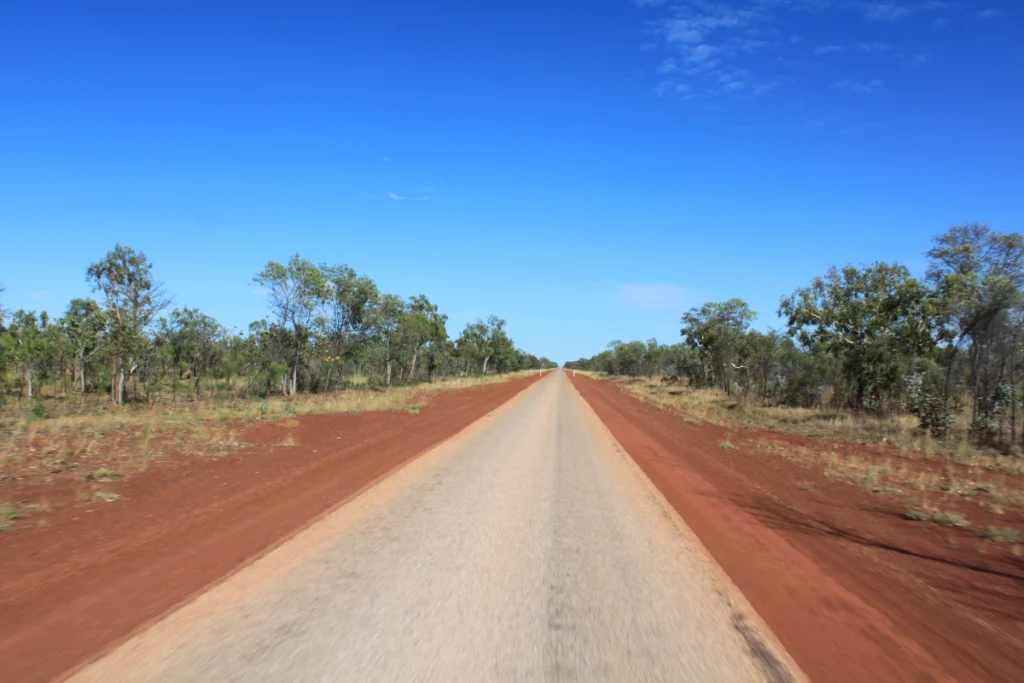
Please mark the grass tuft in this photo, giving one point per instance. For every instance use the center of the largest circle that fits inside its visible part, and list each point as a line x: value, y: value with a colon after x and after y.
x: 1001, y: 534
x: 926, y: 513
x: 106, y: 474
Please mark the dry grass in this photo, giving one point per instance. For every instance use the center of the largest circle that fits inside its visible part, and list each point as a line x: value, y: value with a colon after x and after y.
x: 13, y: 511
x: 1001, y: 534
x: 926, y: 513
x: 890, y: 456
x: 124, y: 440
x: 901, y: 434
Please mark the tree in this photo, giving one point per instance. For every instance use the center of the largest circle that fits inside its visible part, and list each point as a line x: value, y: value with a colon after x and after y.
x: 758, y: 354
x: 978, y: 275
x: 295, y: 291
x: 484, y: 341
x: 386, y: 316
x: 875, y: 320
x: 472, y: 343
x: 714, y: 330
x: 24, y: 342
x: 84, y: 323
x: 133, y: 301
x: 498, y: 346
x: 422, y: 324
x: 194, y: 338
x: 351, y: 298
x: 629, y: 357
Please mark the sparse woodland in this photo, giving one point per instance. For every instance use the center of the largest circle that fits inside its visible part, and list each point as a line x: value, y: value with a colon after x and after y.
x: 871, y: 340
x: 327, y: 328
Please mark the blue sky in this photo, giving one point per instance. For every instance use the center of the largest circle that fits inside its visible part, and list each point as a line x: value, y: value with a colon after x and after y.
x: 586, y: 170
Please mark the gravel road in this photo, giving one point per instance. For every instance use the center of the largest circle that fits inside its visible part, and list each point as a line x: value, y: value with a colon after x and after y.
x: 528, y: 548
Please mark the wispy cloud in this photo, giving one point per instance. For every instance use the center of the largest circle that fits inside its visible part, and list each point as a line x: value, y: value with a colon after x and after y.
x: 744, y: 48
x: 680, y: 90
x: 885, y: 11
x: 41, y: 294
x: 989, y: 14
x: 859, y: 87
x: 404, y: 198
x: 662, y: 296
x: 874, y: 48
x: 386, y: 160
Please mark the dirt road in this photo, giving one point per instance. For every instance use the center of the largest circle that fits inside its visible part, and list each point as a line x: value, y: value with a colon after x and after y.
x: 95, y: 572
x: 529, y: 548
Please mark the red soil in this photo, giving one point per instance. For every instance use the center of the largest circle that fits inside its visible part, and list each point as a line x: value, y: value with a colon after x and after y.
x: 853, y: 590
x: 98, y: 572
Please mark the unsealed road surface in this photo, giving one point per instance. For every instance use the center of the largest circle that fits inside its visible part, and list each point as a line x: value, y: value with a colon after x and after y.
x: 528, y: 548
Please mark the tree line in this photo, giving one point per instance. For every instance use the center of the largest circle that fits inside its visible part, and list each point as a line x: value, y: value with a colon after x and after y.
x: 327, y: 327
x: 872, y: 339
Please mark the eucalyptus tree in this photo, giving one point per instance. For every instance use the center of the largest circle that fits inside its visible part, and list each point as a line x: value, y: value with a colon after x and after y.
x: 296, y: 292
x: 472, y: 344
x: 498, y: 346
x: 629, y: 357
x: 386, y: 323
x: 133, y: 300
x: 876, y: 320
x: 422, y: 324
x: 267, y: 351
x: 194, y: 338
x: 441, y: 359
x: 348, y: 320
x: 84, y: 323
x: 758, y: 355
x: 23, y: 340
x: 978, y: 275
x: 714, y: 330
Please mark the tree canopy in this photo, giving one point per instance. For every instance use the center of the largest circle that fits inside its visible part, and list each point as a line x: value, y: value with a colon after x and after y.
x: 328, y: 328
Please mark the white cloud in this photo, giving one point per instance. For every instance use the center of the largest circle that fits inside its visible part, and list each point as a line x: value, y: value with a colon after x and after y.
x: 668, y: 66
x: 915, y: 60
x: 701, y: 53
x: 989, y: 14
x: 679, y: 90
x: 860, y: 87
x: 403, y: 198
x: 386, y: 160
x: 885, y: 11
x: 875, y: 48
x: 663, y: 296
x: 709, y: 41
